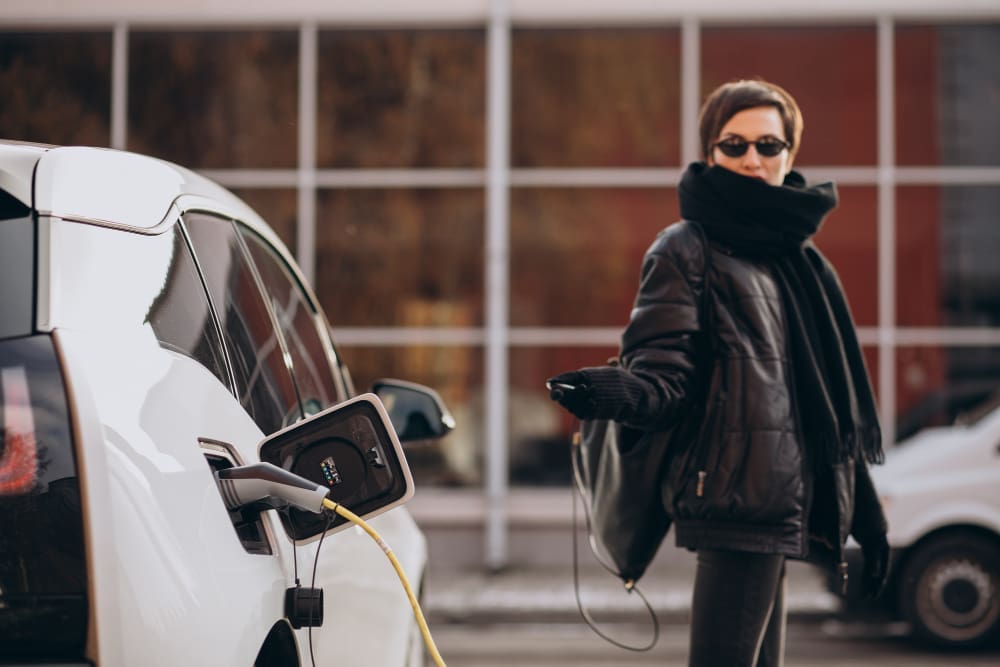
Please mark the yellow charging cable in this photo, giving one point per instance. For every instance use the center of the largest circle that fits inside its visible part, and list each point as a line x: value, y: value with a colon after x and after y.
x: 424, y: 630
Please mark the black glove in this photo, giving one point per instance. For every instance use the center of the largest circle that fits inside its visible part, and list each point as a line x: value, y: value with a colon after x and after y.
x: 598, y: 392
x: 573, y: 391
x: 875, y: 572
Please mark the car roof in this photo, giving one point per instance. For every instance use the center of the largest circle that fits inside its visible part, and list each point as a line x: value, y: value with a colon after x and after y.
x: 109, y: 186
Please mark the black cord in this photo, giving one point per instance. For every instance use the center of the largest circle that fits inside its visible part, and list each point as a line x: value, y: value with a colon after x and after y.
x: 329, y: 520
x: 580, y: 489
x: 295, y: 560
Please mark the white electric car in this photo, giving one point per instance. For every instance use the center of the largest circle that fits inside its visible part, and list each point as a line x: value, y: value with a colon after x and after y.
x: 153, y: 333
x: 941, y: 492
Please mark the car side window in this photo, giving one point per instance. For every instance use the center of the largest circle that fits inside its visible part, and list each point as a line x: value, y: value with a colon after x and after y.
x: 264, y: 384
x: 181, y: 316
x: 299, y: 324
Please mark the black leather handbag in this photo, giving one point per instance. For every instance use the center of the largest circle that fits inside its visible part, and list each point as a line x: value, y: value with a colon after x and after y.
x: 619, y: 473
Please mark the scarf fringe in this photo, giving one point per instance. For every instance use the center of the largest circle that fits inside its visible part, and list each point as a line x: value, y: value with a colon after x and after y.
x: 861, y: 443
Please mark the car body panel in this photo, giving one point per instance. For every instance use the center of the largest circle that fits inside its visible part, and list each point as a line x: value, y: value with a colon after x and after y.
x: 942, y: 477
x: 940, y: 490
x: 118, y: 188
x: 170, y: 582
x: 17, y: 168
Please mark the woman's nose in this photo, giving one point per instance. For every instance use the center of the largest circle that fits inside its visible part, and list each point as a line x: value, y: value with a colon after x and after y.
x: 752, y: 157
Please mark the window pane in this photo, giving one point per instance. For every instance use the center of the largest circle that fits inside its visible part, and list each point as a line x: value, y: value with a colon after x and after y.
x: 576, y: 253
x: 849, y: 239
x: 829, y: 70
x: 941, y: 386
x: 401, y: 98
x: 215, y: 99
x: 57, y: 87
x: 947, y: 92
x: 587, y: 98
x: 180, y: 315
x: 400, y: 257
x: 454, y: 372
x: 299, y: 326
x: 540, y: 430
x: 278, y: 206
x: 946, y: 268
x: 263, y: 383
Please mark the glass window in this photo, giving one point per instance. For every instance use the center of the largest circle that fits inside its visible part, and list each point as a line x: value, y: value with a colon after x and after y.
x: 849, y: 239
x: 215, y: 99
x: 576, y: 254
x: 400, y: 257
x: 180, y: 315
x: 947, y: 94
x: 279, y: 206
x: 456, y: 373
x: 837, y: 95
x: 401, y: 98
x: 56, y: 87
x: 299, y: 324
x: 946, y: 249
x: 263, y: 382
x: 942, y: 386
x: 595, y: 97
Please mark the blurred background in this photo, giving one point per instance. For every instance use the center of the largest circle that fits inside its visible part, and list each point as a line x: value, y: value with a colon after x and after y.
x: 470, y: 186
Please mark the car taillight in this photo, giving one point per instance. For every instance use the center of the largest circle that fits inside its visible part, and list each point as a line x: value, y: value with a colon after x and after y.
x: 43, y: 560
x: 19, y: 460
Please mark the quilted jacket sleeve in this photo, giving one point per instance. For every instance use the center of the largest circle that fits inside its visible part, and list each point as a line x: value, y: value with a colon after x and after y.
x: 660, y: 343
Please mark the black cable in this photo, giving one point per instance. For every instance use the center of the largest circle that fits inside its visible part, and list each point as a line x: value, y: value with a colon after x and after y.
x: 312, y: 585
x: 295, y: 560
x: 630, y: 586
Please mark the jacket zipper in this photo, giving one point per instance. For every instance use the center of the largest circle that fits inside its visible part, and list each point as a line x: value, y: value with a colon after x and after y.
x: 704, y: 455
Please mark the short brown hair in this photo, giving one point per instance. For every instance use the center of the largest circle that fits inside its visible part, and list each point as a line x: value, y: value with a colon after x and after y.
x: 730, y: 98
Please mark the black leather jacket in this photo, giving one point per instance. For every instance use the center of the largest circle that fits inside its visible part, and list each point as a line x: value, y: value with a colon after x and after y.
x: 707, y: 337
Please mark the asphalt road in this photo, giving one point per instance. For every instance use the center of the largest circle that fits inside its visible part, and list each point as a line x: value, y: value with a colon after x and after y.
x: 823, y: 644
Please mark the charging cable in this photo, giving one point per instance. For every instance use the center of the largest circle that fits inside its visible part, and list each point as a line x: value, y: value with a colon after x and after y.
x: 274, y: 487
x: 358, y: 521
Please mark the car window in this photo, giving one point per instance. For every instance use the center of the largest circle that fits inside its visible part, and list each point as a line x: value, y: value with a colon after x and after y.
x: 181, y: 316
x: 299, y: 324
x: 263, y: 382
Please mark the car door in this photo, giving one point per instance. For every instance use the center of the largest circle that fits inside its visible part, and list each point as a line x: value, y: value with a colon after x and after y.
x: 150, y: 380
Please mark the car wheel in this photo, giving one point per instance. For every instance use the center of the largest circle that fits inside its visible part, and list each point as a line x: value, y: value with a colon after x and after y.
x: 950, y: 591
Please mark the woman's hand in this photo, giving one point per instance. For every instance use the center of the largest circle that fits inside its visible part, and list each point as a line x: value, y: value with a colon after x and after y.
x: 573, y: 391
x: 876, y: 568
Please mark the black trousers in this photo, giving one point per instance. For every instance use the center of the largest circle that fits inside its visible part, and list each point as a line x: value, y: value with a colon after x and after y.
x: 738, y: 610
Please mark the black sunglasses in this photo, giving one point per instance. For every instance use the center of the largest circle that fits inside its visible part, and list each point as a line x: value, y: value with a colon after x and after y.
x: 737, y: 146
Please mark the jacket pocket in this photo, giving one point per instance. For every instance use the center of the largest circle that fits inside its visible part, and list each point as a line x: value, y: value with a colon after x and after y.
x: 707, y: 452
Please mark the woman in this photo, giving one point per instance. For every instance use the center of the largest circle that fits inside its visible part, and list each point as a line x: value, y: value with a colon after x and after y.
x: 769, y: 384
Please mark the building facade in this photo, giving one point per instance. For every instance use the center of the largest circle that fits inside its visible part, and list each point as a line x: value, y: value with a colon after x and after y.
x: 487, y: 175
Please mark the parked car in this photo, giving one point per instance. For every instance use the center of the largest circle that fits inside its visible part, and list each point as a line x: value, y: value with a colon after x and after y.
x: 153, y: 332
x: 941, y: 493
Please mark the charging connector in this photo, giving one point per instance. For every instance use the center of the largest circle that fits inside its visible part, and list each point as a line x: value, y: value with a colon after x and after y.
x: 271, y: 486
x: 266, y: 483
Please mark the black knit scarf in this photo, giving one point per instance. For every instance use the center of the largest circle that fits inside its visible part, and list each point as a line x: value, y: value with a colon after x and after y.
x: 774, y: 224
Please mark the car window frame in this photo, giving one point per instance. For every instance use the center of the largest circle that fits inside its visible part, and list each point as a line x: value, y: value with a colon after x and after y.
x: 287, y: 265
x: 223, y: 218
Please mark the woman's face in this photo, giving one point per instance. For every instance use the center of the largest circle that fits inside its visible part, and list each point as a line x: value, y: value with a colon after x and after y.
x: 742, y: 130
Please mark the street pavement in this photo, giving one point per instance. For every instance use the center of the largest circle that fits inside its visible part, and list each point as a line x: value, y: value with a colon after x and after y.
x: 546, y: 593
